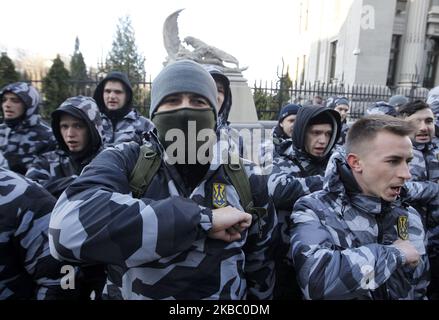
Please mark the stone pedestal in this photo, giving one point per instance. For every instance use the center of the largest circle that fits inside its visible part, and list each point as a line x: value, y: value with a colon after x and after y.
x: 243, y: 106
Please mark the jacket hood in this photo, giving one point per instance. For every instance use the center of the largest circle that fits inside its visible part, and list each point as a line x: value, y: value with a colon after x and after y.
x: 305, y: 116
x: 28, y: 94
x: 218, y: 75
x: 98, y: 95
x: 83, y: 108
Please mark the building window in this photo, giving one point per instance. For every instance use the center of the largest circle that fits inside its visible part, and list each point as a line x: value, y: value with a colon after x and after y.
x: 393, y: 60
x: 401, y: 6
x: 332, y: 60
x: 431, y: 67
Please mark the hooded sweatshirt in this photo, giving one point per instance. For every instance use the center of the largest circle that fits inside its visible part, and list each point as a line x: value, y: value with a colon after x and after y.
x: 309, y: 164
x: 24, y: 139
x: 124, y: 124
x: 55, y: 170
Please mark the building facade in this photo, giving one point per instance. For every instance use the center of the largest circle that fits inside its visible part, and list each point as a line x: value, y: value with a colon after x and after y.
x: 391, y: 43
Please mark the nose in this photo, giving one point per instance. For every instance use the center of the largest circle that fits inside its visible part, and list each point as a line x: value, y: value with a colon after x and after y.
x: 404, y: 171
x: 185, y: 102
x: 70, y: 132
x: 322, y: 139
x: 423, y: 126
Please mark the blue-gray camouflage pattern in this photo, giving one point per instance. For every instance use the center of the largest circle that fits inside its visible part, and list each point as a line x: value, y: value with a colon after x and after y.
x: 130, y: 128
x: 286, y: 184
x: 3, y: 161
x: 342, y: 244
x: 343, y: 133
x: 22, y: 143
x: 424, y: 168
x: 27, y: 270
x: 55, y: 170
x: 156, y: 247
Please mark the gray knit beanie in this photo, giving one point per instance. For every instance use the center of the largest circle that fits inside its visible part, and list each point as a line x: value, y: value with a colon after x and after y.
x: 183, y: 76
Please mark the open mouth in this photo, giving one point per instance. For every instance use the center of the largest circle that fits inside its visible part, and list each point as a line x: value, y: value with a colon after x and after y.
x: 396, y: 190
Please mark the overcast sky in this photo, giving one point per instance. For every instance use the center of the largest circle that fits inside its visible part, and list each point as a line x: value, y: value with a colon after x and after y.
x: 258, y: 33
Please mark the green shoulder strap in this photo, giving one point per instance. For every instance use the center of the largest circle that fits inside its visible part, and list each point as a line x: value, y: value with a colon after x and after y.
x: 236, y: 172
x: 146, y: 167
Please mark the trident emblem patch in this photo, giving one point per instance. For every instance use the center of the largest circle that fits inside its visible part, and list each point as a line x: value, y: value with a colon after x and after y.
x: 219, y: 197
x: 403, y: 227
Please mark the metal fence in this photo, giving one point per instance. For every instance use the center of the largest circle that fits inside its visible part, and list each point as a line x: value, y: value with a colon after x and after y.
x: 141, y: 91
x: 360, y: 96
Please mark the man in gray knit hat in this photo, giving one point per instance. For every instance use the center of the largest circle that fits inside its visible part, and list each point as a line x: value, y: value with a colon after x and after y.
x: 186, y: 235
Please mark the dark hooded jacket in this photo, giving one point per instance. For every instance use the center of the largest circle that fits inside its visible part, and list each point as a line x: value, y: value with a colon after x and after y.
x: 124, y: 124
x: 295, y: 174
x: 224, y: 130
x: 307, y: 163
x: 55, y: 170
x: 23, y: 140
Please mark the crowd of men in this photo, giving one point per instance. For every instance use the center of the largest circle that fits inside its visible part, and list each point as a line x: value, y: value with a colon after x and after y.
x: 108, y: 204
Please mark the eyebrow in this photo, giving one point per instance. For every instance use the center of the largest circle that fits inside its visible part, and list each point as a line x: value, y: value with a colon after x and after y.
x: 395, y: 157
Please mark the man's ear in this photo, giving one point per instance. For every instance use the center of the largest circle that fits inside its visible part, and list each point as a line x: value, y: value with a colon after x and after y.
x: 354, y: 162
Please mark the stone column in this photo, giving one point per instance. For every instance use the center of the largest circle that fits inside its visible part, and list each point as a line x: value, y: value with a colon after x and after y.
x: 412, y: 62
x: 243, y: 106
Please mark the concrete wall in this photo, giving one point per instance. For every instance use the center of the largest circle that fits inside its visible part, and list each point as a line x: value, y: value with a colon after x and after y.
x: 375, y: 43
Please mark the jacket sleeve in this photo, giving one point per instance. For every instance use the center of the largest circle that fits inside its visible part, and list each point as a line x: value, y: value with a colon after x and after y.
x: 97, y: 220
x: 423, y: 191
x: 327, y: 271
x: 40, y: 172
x: 259, y: 264
x: 286, y: 189
x: 33, y: 245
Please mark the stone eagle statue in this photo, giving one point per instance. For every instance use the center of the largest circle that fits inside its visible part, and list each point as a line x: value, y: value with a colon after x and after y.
x: 201, y: 52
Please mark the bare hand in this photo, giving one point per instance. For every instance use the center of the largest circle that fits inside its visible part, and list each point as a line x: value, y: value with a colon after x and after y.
x: 228, y: 223
x: 412, y: 255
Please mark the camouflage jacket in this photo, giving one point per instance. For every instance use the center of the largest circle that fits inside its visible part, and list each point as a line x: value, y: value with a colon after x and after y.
x: 342, y: 244
x: 27, y: 270
x: 3, y: 162
x: 286, y: 185
x: 344, y: 131
x: 23, y: 142
x: 425, y: 163
x: 130, y: 128
x: 424, y: 169
x: 157, y: 247
x: 55, y: 170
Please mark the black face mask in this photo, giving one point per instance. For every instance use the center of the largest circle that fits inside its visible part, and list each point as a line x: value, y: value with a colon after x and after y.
x: 187, y: 134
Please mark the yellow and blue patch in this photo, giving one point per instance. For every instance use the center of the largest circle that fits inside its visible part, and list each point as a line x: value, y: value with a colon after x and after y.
x: 219, y: 196
x: 403, y: 227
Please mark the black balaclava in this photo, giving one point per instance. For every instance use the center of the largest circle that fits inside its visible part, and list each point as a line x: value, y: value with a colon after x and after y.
x: 184, y: 76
